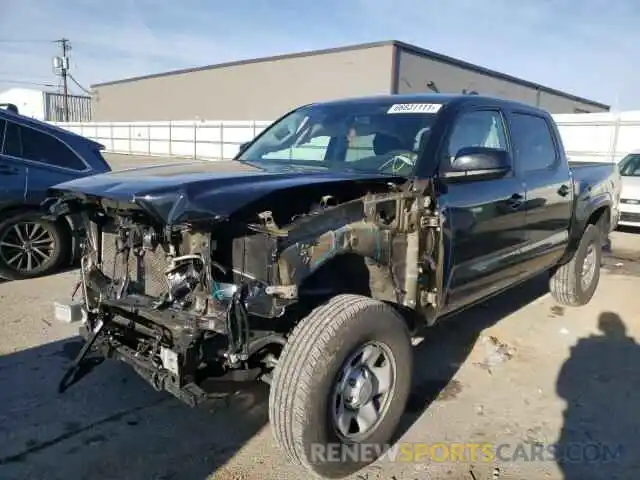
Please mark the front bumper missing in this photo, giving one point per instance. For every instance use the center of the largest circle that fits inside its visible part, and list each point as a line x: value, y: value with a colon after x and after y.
x: 171, y: 366
x: 161, y: 379
x: 99, y: 346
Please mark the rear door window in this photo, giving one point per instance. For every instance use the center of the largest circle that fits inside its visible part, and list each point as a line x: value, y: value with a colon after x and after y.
x: 533, y: 143
x: 12, y: 140
x: 37, y: 146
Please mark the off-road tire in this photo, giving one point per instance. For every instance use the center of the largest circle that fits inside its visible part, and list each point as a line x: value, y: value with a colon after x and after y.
x: 58, y: 254
x: 565, y: 283
x: 299, y: 399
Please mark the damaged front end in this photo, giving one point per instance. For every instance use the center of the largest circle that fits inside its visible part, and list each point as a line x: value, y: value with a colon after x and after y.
x: 215, y: 298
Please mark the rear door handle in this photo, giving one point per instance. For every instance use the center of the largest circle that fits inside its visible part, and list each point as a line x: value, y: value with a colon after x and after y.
x: 515, y: 201
x: 563, y: 191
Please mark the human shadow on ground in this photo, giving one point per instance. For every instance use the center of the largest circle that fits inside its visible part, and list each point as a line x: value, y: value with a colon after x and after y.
x: 112, y: 424
x: 600, y: 381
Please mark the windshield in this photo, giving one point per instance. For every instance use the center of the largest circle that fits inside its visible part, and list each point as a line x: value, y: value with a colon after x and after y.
x: 630, y: 166
x: 379, y: 137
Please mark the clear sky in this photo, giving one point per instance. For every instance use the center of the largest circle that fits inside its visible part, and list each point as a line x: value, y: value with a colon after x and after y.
x: 587, y: 47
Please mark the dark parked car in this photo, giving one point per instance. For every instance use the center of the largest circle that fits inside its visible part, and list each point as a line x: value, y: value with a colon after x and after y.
x: 34, y: 156
x: 338, y: 233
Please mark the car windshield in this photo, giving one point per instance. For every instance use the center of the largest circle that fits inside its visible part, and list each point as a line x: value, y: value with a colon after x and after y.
x: 380, y: 137
x: 630, y: 166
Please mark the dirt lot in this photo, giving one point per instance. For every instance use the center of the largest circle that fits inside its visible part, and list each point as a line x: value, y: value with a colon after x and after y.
x: 568, y: 376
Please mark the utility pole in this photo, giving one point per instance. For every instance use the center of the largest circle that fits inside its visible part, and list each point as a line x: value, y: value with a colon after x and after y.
x: 61, y: 66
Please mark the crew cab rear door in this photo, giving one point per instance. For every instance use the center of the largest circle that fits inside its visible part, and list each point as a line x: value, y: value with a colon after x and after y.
x: 484, y: 219
x: 548, y: 205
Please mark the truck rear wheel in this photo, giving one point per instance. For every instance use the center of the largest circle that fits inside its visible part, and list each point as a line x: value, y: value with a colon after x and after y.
x: 341, y: 385
x: 574, y: 283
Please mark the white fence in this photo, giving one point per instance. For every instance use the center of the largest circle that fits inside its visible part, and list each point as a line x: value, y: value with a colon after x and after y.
x: 602, y: 137
x: 599, y: 137
x: 202, y: 139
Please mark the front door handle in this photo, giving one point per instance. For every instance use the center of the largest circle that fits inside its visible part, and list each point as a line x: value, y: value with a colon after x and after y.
x: 515, y: 201
x: 564, y: 190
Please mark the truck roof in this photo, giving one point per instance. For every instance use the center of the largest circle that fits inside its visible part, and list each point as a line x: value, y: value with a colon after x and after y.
x: 438, y: 98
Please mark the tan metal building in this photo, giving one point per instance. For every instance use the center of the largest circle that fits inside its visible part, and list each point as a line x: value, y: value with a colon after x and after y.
x: 265, y: 88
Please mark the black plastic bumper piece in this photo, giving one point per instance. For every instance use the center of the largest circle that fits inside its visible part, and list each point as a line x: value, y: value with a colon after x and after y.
x: 83, y: 363
x: 159, y: 378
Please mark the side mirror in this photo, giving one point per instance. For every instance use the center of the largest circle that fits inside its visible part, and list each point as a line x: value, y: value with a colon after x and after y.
x: 474, y: 163
x: 243, y: 147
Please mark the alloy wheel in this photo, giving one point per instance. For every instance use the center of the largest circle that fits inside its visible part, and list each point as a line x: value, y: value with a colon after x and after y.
x: 26, y: 246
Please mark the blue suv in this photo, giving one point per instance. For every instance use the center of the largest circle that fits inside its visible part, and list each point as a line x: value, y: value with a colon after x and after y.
x: 34, y: 156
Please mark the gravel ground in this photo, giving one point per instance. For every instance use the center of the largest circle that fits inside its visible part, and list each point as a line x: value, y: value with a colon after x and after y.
x: 569, y: 375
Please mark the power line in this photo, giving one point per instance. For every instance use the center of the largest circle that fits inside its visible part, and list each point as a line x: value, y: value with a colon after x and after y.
x: 25, y: 82
x: 61, y: 68
x: 7, y: 40
x: 30, y: 75
x: 78, y: 85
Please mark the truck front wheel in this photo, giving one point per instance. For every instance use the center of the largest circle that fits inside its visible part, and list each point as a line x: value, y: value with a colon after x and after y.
x: 341, y: 385
x: 574, y: 283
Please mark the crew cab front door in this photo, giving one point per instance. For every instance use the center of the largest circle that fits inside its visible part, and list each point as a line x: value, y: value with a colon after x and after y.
x: 484, y: 229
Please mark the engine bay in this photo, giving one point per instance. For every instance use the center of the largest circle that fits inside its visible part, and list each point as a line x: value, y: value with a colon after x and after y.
x: 212, y: 298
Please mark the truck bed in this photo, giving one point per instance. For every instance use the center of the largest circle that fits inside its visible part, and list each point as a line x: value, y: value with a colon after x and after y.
x: 597, y: 178
x: 587, y: 174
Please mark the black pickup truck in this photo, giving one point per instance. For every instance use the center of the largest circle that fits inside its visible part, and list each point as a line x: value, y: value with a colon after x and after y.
x: 310, y: 260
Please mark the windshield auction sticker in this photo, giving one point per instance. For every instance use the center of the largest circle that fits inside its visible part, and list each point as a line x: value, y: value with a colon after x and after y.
x: 415, y: 108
